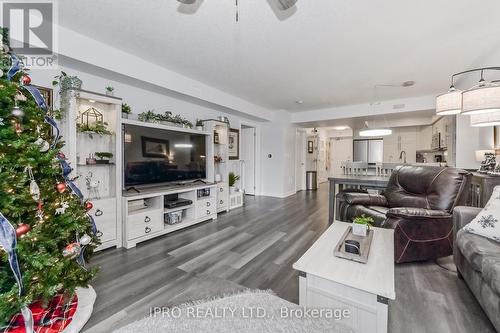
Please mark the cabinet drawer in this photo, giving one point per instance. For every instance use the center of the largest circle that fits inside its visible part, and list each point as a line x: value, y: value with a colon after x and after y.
x: 104, y: 214
x: 144, y: 223
x: 222, y: 202
x: 205, y: 204
x: 222, y: 188
x: 206, y: 212
x: 206, y: 208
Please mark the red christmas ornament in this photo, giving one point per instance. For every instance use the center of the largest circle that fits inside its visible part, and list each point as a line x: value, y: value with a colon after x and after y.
x: 61, y: 155
x: 26, y: 80
x: 89, y: 205
x: 22, y: 229
x: 61, y: 187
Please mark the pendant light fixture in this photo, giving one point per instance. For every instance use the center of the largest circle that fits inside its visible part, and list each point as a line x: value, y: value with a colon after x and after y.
x: 485, y: 119
x: 367, y: 131
x: 480, y: 99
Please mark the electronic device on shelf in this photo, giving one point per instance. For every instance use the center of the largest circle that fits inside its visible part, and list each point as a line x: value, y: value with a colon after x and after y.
x: 154, y: 156
x: 204, y: 192
x: 177, y: 203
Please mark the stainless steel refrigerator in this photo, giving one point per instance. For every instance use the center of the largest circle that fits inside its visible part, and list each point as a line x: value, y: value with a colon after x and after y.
x: 368, y: 150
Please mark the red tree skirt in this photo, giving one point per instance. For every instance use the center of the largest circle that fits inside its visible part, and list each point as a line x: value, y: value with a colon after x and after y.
x: 57, y: 316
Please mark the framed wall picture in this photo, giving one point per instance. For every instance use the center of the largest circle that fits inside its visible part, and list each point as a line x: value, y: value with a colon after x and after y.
x: 48, y: 95
x: 234, y: 144
x: 153, y: 147
x: 310, y: 147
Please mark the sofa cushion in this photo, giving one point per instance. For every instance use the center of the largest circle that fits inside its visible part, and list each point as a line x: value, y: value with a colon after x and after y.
x: 487, y: 222
x: 476, y: 249
x: 491, y: 272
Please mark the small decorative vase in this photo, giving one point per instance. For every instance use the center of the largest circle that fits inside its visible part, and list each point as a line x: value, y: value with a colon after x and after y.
x: 199, y: 128
x: 124, y: 115
x: 218, y: 177
x: 232, y: 189
x: 359, y: 229
x: 110, y: 93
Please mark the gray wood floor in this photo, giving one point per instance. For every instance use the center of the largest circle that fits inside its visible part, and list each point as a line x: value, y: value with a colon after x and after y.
x: 254, y: 247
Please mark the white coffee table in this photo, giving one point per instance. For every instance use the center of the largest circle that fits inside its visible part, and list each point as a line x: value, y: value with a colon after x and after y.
x: 326, y: 281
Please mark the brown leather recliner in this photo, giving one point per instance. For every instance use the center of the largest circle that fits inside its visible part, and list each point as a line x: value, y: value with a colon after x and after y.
x: 418, y: 204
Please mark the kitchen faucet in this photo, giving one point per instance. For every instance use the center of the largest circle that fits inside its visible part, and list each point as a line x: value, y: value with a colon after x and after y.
x: 402, y: 156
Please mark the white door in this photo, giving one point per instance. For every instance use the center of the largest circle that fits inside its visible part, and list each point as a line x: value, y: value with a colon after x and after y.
x: 300, y: 169
x: 248, y: 159
x: 340, y: 151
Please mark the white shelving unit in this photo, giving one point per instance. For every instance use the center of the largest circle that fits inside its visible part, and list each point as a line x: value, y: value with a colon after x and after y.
x: 99, y: 183
x: 220, y: 140
x: 149, y: 222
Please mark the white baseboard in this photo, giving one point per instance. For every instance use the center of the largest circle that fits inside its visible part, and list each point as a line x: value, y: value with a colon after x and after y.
x: 278, y: 195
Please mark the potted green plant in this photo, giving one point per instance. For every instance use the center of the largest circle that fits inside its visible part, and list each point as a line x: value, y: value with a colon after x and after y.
x: 95, y: 128
x: 104, y: 157
x: 199, y: 124
x: 233, y: 178
x: 361, y: 225
x: 66, y: 82
x: 148, y: 116
x: 110, y: 91
x: 126, y: 110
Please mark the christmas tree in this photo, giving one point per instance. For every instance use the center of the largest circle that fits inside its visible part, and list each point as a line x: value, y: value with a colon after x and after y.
x: 54, y: 235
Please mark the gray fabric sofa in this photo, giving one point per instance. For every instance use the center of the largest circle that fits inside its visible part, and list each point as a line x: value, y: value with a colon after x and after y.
x: 478, y: 262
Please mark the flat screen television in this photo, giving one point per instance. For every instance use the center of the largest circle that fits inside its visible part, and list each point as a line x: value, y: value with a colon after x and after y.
x: 157, y: 156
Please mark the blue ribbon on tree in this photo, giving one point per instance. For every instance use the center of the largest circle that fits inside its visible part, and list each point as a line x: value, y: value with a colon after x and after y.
x: 40, y: 101
x: 8, y: 241
x: 57, y: 135
x: 37, y: 96
x: 14, y: 68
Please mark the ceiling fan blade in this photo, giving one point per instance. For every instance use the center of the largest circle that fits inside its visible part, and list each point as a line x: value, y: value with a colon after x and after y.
x: 187, y: 2
x: 286, y: 4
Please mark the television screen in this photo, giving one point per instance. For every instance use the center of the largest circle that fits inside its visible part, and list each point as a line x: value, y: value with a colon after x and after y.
x: 154, y: 156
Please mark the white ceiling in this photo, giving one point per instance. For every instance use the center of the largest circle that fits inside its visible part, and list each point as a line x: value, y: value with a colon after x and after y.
x: 325, y: 52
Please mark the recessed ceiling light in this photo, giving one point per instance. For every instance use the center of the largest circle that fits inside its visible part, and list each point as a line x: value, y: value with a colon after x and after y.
x: 408, y: 83
x: 340, y: 128
x: 91, y: 101
x: 299, y: 101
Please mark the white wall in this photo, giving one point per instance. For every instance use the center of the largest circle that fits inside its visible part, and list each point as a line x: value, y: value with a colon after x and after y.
x: 470, y: 139
x: 278, y: 136
x: 278, y: 157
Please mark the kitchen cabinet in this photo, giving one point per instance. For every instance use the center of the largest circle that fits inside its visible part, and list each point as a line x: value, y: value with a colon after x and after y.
x: 401, y: 139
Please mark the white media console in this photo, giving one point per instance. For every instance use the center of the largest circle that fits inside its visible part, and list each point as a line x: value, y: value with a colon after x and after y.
x: 119, y: 218
x: 148, y: 221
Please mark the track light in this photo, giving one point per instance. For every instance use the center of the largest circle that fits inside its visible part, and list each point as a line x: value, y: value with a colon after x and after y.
x: 187, y: 2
